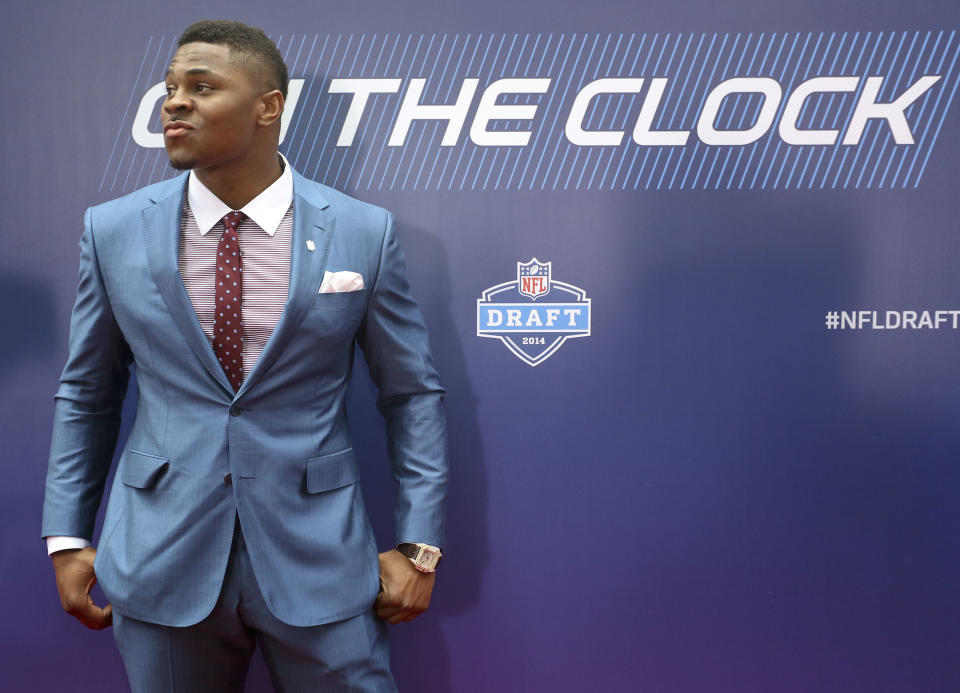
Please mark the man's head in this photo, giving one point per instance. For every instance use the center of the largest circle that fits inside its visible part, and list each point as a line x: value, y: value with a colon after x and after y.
x: 226, y: 86
x: 247, y: 44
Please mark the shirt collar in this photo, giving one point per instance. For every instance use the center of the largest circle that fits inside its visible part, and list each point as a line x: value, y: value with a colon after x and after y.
x: 266, y: 210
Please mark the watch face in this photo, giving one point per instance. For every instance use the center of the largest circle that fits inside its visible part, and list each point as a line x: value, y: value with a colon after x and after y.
x: 428, y: 558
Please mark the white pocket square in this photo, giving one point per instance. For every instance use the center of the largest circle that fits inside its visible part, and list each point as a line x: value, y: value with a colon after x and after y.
x: 341, y: 282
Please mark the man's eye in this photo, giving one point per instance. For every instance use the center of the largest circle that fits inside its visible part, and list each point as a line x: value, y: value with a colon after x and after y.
x: 170, y: 90
x: 203, y: 87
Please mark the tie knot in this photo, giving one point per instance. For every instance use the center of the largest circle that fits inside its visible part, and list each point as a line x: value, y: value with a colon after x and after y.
x: 233, y: 219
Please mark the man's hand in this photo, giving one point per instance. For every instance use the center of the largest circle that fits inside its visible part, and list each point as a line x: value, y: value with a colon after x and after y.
x: 406, y: 591
x: 75, y: 579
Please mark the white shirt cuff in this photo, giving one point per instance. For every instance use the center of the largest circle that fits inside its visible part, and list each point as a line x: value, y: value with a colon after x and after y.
x: 61, y: 543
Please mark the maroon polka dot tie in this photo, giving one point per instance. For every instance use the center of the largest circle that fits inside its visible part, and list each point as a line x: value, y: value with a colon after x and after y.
x: 228, y: 315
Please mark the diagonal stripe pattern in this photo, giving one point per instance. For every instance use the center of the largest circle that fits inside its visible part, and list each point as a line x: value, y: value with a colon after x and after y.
x: 691, y: 65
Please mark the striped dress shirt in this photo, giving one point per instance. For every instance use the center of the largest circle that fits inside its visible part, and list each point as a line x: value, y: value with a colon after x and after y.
x: 266, y: 276
x: 265, y: 241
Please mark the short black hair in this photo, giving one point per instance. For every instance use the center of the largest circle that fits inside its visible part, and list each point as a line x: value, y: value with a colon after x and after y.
x: 243, y: 39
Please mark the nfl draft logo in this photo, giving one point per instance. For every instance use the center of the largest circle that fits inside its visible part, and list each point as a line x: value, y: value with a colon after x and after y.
x: 531, y: 325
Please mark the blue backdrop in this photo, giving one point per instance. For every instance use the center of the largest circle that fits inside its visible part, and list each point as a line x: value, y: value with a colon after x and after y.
x: 724, y: 475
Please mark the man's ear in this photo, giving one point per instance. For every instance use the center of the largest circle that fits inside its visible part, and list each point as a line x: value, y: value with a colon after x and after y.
x: 271, y: 108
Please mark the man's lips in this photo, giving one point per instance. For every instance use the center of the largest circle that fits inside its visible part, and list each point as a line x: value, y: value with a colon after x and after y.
x: 176, y: 128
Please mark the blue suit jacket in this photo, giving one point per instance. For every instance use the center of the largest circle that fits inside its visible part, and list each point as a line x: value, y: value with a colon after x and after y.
x: 283, y: 436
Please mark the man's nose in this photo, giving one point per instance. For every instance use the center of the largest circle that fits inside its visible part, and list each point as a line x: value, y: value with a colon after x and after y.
x: 176, y: 102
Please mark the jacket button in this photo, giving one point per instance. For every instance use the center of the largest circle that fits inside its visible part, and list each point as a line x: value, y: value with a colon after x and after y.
x: 227, y: 479
x: 235, y: 411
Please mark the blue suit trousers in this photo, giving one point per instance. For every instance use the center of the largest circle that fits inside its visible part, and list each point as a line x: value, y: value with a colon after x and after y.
x: 214, y: 655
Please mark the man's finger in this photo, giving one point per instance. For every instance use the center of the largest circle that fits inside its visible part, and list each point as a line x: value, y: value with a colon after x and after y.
x: 388, y: 611
x: 107, y: 614
x: 402, y: 616
x: 93, y: 616
x: 395, y: 615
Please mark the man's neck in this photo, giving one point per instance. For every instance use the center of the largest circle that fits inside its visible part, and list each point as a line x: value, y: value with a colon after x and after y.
x: 237, y: 185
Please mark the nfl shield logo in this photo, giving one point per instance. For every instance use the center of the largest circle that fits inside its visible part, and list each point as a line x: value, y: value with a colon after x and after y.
x: 533, y: 278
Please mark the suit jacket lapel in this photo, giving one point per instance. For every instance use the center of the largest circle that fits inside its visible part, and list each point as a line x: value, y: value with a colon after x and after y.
x: 312, y: 234
x: 161, y: 231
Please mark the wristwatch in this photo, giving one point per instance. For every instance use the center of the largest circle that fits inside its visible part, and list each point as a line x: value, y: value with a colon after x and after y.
x: 424, y: 557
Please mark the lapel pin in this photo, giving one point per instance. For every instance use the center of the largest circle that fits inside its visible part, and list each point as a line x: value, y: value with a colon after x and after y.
x: 311, y: 246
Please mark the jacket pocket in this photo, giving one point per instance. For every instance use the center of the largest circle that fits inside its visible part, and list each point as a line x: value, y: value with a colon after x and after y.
x: 332, y: 471
x: 141, y: 469
x: 342, y: 300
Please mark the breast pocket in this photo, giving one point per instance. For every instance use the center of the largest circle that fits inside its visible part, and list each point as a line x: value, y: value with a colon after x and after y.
x: 344, y: 300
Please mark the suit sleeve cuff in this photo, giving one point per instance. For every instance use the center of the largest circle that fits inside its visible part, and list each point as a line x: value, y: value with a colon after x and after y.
x: 55, y: 544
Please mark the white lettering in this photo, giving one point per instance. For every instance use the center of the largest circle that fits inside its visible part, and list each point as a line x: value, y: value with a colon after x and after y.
x: 483, y: 133
x: 789, y: 132
x: 893, y: 112
x: 489, y: 109
x: 411, y: 109
x: 642, y: 134
x: 573, y: 314
x: 593, y: 138
x: 739, y: 85
x: 141, y: 123
x: 361, y: 90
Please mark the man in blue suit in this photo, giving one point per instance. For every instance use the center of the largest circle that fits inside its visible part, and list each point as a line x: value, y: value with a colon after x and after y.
x: 235, y: 519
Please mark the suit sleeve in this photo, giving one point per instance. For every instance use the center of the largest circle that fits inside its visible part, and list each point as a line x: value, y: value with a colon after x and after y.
x: 394, y: 341
x: 87, y: 404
